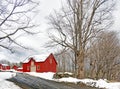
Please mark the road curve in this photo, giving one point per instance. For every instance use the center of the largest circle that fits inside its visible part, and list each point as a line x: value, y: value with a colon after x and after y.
x: 26, y: 81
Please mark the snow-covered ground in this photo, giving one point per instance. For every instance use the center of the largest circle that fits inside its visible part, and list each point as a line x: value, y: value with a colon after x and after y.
x: 4, y: 84
x: 6, y: 75
x: 8, y: 85
x: 101, y: 83
x: 45, y: 75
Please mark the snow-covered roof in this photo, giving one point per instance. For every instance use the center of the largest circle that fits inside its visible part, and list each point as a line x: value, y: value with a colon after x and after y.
x: 4, y: 64
x: 37, y: 58
x: 20, y: 68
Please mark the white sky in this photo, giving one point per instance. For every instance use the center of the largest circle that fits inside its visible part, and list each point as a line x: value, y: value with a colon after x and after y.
x: 116, y: 15
x: 37, y: 41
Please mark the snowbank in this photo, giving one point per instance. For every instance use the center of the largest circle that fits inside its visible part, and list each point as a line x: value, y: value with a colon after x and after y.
x: 94, y: 83
x: 45, y: 75
x: 70, y: 79
x: 8, y: 85
x: 6, y: 75
x: 66, y: 73
x: 4, y: 84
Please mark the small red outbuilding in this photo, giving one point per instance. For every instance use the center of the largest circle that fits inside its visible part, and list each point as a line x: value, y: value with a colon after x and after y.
x: 15, y: 67
x: 40, y: 63
x: 4, y: 67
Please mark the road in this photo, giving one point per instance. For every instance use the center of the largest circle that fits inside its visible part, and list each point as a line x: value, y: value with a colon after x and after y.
x: 26, y: 81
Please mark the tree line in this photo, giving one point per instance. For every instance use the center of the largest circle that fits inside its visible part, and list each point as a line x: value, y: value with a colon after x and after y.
x: 102, y: 58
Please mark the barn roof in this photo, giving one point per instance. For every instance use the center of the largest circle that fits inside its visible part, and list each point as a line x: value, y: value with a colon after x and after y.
x: 37, y: 58
x: 4, y: 64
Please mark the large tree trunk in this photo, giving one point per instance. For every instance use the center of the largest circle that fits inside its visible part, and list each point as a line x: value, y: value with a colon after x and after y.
x: 81, y: 71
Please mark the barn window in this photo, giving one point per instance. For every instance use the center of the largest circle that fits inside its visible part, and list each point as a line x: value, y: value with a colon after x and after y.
x: 28, y: 67
x: 50, y: 61
x: 38, y: 67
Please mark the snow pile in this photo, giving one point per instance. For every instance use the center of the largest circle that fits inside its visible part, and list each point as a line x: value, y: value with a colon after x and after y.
x: 6, y: 75
x: 69, y: 73
x: 4, y: 84
x: 70, y: 79
x: 8, y: 85
x: 45, y: 75
x: 94, y: 83
x: 115, y: 85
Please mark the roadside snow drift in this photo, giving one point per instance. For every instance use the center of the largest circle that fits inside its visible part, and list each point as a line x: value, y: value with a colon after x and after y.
x: 6, y: 75
x: 4, y: 84
x: 94, y: 83
x: 8, y: 85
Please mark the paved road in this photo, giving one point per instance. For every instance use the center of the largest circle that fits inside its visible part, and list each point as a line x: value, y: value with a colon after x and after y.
x: 29, y: 82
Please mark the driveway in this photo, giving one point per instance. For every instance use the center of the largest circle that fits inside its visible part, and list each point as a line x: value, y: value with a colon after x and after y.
x: 26, y: 81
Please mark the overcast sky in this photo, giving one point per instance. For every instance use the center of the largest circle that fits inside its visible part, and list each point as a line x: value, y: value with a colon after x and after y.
x: 37, y: 41
x: 116, y: 14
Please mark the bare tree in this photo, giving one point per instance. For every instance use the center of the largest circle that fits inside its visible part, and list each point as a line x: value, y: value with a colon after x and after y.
x: 65, y: 62
x: 77, y: 23
x: 15, y: 18
x: 104, y: 56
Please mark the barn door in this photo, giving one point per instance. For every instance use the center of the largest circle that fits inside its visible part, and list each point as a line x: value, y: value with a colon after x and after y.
x: 33, y: 67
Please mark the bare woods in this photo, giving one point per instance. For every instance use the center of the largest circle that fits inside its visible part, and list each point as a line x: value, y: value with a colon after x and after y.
x: 80, y: 30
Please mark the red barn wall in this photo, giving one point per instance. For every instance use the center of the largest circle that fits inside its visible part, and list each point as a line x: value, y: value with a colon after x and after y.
x: 0, y: 66
x: 5, y: 68
x: 50, y: 64
x: 25, y: 67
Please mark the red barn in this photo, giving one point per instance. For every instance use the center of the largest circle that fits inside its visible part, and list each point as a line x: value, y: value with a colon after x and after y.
x: 4, y: 67
x: 0, y: 66
x: 40, y: 63
x: 15, y: 67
